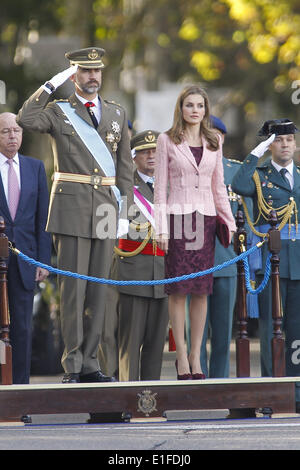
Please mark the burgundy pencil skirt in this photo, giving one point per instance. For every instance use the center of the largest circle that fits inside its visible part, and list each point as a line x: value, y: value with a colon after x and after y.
x: 189, y: 255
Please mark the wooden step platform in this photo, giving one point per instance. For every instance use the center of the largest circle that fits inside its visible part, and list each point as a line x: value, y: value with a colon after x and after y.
x: 148, y: 399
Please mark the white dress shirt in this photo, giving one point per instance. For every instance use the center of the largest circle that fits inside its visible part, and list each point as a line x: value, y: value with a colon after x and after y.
x: 96, y: 109
x: 289, y: 173
x: 146, y: 178
x: 4, y: 171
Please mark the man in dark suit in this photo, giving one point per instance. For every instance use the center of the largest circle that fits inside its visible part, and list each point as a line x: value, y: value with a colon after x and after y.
x: 24, y: 207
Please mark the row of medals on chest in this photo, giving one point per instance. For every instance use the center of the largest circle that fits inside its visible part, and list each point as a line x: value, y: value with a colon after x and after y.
x: 113, y: 137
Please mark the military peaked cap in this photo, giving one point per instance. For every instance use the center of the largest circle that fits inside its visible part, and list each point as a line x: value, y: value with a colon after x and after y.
x: 144, y: 140
x: 88, y: 58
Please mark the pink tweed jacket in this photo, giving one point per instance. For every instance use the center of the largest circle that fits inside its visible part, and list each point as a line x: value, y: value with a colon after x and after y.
x: 181, y: 187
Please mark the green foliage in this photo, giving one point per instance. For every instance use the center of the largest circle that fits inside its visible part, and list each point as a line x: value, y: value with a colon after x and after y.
x: 248, y: 46
x: 20, y: 23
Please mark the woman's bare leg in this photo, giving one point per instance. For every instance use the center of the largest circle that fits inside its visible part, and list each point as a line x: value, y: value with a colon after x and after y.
x: 177, y: 319
x: 198, y: 312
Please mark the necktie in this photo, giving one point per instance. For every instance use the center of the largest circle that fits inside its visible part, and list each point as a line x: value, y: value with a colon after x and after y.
x: 150, y: 184
x: 89, y: 105
x: 283, y: 172
x: 13, y: 192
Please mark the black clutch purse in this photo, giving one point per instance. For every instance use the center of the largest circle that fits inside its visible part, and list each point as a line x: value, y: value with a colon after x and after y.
x: 222, y: 232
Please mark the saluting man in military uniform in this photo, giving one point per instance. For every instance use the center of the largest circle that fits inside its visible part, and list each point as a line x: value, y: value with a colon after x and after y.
x: 275, y: 185
x: 143, y: 309
x: 92, y: 172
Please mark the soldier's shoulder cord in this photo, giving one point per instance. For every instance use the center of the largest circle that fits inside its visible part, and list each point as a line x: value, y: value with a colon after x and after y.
x: 127, y: 254
x: 284, y: 213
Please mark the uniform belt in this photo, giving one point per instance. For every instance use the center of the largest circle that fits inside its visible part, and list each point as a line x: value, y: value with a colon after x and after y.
x: 131, y: 245
x: 89, y: 179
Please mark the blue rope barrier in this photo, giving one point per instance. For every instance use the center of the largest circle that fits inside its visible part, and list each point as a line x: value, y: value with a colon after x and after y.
x: 265, y: 279
x: 242, y: 256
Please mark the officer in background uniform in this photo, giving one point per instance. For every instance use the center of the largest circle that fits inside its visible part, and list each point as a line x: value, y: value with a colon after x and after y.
x: 93, y: 171
x: 143, y: 309
x: 221, y: 302
x: 275, y: 185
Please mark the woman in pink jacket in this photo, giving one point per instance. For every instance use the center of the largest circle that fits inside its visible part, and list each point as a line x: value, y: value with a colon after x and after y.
x: 189, y: 192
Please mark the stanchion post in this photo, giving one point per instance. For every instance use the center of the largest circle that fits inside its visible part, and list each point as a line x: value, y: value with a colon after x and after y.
x: 6, y: 360
x: 278, y: 343
x: 242, y: 340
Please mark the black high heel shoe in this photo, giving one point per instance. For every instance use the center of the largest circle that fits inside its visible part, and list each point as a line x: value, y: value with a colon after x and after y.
x: 182, y: 376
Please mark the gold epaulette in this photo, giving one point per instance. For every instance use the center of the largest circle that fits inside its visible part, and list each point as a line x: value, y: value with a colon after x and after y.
x: 113, y: 102
x: 234, y: 161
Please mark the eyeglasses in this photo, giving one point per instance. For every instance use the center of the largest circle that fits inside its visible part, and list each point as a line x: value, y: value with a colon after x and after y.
x: 16, y: 130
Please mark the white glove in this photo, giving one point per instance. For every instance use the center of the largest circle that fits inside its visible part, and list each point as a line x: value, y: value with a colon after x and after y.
x: 123, y: 227
x: 60, y: 78
x: 263, y: 146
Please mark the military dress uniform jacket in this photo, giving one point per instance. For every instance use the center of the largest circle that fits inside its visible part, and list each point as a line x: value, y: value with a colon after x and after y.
x: 73, y: 206
x: 277, y: 193
x: 141, y: 267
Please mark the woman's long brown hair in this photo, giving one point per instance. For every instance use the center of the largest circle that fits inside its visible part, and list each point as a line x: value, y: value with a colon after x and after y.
x: 176, y: 131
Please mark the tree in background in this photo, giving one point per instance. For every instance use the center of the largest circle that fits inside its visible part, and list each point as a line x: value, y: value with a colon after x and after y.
x: 246, y: 49
x: 21, y: 23
x: 250, y: 47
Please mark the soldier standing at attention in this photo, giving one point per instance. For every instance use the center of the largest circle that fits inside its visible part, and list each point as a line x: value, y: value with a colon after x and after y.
x: 143, y: 309
x: 92, y: 172
x: 221, y: 301
x: 275, y: 185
